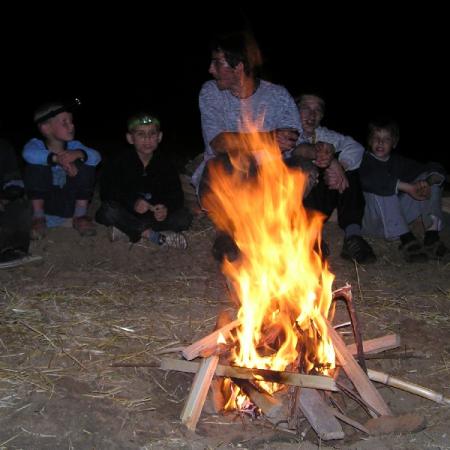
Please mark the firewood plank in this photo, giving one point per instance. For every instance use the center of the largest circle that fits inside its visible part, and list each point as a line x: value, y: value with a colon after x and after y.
x: 290, y: 378
x: 319, y: 416
x: 199, y: 389
x: 359, y: 379
x: 377, y: 345
x: 193, y: 351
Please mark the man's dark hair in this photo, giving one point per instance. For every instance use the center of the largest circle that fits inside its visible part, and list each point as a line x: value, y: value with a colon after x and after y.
x: 239, y: 46
x: 385, y: 123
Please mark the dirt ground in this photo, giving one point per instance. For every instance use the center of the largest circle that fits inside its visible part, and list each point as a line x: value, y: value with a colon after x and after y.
x: 90, y: 304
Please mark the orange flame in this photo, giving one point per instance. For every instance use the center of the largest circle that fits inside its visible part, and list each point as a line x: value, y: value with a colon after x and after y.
x: 282, y: 283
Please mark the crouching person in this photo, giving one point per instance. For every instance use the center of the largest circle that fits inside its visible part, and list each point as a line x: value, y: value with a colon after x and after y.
x: 59, y: 172
x: 141, y: 191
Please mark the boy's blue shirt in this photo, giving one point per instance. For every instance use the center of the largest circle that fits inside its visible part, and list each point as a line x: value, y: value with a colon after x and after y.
x: 36, y: 152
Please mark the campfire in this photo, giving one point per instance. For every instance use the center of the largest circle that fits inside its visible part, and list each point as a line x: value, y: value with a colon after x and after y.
x: 280, y: 357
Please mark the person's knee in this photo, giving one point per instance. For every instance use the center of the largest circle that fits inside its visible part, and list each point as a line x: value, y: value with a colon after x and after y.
x: 37, y: 180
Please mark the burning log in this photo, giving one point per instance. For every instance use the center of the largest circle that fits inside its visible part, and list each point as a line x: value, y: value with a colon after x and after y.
x: 360, y: 380
x: 270, y: 406
x: 208, y: 342
x: 197, y: 396
x: 272, y: 376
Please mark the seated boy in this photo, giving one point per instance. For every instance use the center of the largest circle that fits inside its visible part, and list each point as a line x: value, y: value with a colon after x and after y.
x: 399, y: 190
x: 141, y: 192
x: 60, y: 172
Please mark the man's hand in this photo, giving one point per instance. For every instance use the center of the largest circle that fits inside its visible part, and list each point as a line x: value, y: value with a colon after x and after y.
x: 324, y: 154
x: 419, y: 190
x: 335, y: 177
x: 286, y: 138
x: 160, y: 212
x: 141, y: 206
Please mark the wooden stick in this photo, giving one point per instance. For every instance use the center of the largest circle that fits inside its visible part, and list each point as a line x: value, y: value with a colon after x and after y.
x: 377, y: 345
x: 371, y: 347
x: 389, y: 380
x: 291, y: 378
x: 194, y: 350
x: 319, y: 415
x: 360, y: 380
x: 197, y: 396
x: 347, y: 420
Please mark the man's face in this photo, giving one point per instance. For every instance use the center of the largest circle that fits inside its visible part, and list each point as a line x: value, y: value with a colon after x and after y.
x: 311, y: 113
x: 225, y: 76
x: 381, y: 143
x: 145, y: 138
x: 60, y: 127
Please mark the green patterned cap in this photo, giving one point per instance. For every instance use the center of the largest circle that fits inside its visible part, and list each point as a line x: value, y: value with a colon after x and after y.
x: 142, y: 119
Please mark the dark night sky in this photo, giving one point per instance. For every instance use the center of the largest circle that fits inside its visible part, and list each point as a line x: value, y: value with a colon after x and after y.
x: 364, y: 62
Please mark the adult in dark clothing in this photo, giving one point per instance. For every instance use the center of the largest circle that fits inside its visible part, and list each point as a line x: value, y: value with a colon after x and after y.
x: 141, y: 191
x: 398, y: 191
x: 15, y: 211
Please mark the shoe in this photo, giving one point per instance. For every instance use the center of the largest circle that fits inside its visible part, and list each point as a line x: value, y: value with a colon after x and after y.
x: 413, y: 252
x: 174, y: 240
x: 437, y: 250
x: 38, y: 228
x: 357, y: 249
x: 225, y: 247
x: 10, y: 258
x: 116, y: 235
x: 84, y: 226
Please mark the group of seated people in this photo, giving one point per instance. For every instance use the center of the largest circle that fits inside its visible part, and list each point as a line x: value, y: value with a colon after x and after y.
x: 376, y: 192
x: 140, y: 190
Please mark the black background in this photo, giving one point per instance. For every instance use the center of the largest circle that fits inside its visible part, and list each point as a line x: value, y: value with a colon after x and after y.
x: 365, y: 61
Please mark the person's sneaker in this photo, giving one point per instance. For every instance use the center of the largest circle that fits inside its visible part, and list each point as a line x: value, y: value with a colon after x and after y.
x: 437, y: 250
x: 357, y: 249
x: 116, y: 235
x: 10, y: 258
x: 413, y: 252
x: 172, y: 239
x: 84, y: 226
x: 38, y: 228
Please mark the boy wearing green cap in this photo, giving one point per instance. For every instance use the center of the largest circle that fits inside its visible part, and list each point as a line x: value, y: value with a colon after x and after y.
x: 141, y: 191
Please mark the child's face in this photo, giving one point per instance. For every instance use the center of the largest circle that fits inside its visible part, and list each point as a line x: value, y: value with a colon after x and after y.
x: 311, y: 114
x: 60, y: 127
x: 145, y: 138
x: 381, y: 143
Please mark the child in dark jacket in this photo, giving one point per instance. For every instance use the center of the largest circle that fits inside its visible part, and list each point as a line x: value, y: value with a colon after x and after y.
x: 398, y: 191
x: 141, y: 191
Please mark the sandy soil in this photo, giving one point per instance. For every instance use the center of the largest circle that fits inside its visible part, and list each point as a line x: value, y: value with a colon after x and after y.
x: 90, y: 303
